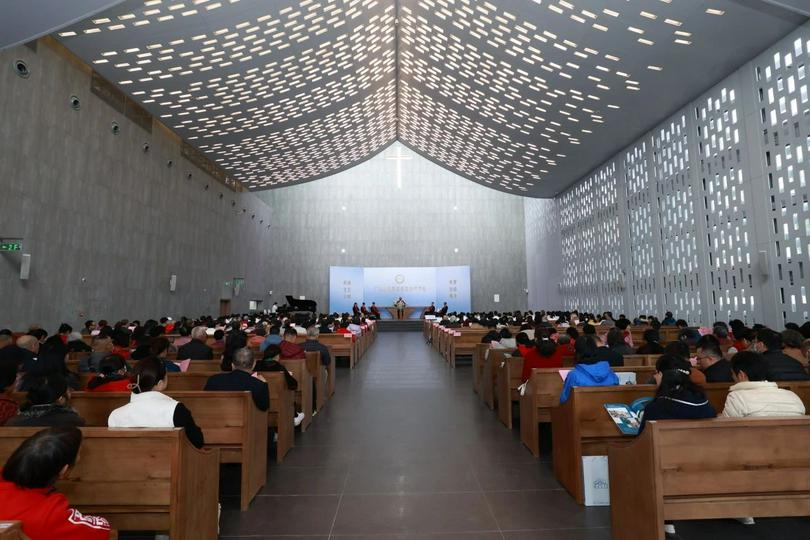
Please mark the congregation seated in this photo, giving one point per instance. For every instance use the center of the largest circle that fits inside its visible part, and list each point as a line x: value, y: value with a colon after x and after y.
x: 652, y: 343
x: 158, y: 347
x: 542, y: 355
x: 236, y: 340
x: 258, y: 337
x: 676, y: 395
x: 492, y: 335
x: 195, y: 348
x: 603, y: 352
x: 588, y: 372
x: 289, y: 348
x: 47, y: 403
x: 711, y: 362
x: 312, y: 344
x: 753, y: 394
x: 781, y: 367
x: 273, y: 337
x: 242, y: 378
x: 149, y: 407
x: 270, y: 362
x: 792, y: 346
x: 113, y: 376
x: 617, y: 341
x: 8, y: 379
x: 28, y: 494
x: 681, y: 350
x: 102, y: 348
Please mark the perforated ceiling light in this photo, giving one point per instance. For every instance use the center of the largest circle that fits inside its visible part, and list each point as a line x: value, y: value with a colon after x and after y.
x: 525, y: 97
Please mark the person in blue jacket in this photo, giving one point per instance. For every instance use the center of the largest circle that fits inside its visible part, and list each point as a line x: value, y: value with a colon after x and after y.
x: 588, y: 372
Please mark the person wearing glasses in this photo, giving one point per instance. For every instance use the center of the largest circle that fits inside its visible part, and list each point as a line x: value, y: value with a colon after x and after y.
x: 711, y: 362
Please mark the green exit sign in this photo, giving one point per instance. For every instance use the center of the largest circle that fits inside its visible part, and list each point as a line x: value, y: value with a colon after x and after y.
x: 10, y: 246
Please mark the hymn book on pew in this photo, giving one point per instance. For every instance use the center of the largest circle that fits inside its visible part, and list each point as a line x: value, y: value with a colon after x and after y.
x: 627, y: 417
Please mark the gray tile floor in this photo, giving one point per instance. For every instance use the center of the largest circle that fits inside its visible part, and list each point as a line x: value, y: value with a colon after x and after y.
x: 405, y: 450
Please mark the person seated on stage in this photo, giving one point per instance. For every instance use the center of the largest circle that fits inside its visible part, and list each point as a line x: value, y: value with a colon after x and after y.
x: 270, y: 363
x: 28, y: 491
x: 652, y: 343
x: 273, y: 337
x: 375, y: 311
x: 312, y: 344
x: 355, y: 310
x: 588, y: 372
x: 289, y: 348
x: 196, y: 349
x: 46, y: 404
x: 443, y: 311
x: 242, y: 378
x: 364, y: 309
x: 431, y: 309
x: 542, y: 355
x: 149, y: 407
x: 753, y: 394
x: 113, y: 376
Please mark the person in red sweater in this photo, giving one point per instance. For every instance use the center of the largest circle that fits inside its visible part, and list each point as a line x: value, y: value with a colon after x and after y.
x: 289, y: 348
x: 543, y: 355
x: 27, y: 491
x: 112, y: 376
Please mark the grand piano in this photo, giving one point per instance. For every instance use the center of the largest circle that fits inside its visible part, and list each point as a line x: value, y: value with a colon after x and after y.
x: 301, y: 306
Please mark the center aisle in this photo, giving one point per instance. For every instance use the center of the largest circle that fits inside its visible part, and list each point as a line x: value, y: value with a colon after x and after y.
x: 406, y: 450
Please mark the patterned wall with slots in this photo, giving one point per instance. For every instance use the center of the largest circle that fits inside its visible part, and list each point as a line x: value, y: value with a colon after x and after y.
x: 782, y: 96
x: 698, y: 185
x: 591, y: 249
x: 681, y: 275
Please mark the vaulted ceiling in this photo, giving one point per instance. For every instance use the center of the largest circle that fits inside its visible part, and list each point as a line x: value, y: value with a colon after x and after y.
x: 523, y: 96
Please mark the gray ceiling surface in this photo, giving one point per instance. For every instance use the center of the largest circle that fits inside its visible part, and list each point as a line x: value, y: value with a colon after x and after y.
x: 523, y: 96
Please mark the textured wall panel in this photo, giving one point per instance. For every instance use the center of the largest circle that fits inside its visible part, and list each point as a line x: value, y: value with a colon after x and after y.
x: 782, y: 80
x: 397, y: 211
x: 543, y: 253
x: 107, y: 224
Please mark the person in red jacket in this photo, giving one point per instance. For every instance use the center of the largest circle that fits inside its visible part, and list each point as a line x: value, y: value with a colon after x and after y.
x: 27, y: 491
x: 289, y: 348
x: 542, y: 356
x: 112, y: 376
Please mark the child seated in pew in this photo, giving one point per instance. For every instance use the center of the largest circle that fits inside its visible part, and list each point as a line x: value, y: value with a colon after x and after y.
x: 677, y: 397
x: 47, y: 404
x: 27, y: 492
x: 588, y: 371
x: 149, y: 407
x: 112, y: 376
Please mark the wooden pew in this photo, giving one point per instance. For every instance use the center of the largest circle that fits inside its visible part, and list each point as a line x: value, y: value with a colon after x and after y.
x: 282, y: 403
x: 140, y: 479
x: 319, y: 378
x: 489, y: 375
x: 195, y: 365
x: 462, y: 343
x: 582, y: 427
x: 747, y: 467
x: 478, y: 365
x: 11, y: 530
x: 542, y: 393
x: 341, y: 345
x: 508, y: 375
x: 303, y: 395
x: 639, y: 360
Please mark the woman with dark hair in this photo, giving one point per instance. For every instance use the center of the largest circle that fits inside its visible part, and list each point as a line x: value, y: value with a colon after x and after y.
x: 652, y: 343
x: 236, y: 340
x: 112, y: 376
x: 27, y: 488
x: 541, y: 356
x: 149, y: 407
x: 158, y: 347
x: 46, y: 404
x: 677, y: 396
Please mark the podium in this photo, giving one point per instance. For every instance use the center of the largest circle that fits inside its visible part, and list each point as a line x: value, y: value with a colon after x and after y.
x: 408, y: 311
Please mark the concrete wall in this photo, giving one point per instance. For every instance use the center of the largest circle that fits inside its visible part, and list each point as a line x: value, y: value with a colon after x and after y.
x: 105, y: 223
x: 418, y: 218
x: 543, y: 253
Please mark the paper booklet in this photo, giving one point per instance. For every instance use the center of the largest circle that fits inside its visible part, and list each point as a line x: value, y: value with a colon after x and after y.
x: 627, y: 417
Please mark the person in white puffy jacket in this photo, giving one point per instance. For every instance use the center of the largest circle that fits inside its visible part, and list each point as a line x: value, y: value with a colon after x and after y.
x: 753, y: 394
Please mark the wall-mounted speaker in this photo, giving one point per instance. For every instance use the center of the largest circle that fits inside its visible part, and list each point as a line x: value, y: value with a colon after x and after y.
x: 173, y: 283
x: 25, y: 266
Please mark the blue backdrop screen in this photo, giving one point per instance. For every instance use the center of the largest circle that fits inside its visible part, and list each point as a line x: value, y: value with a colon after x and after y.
x: 418, y: 286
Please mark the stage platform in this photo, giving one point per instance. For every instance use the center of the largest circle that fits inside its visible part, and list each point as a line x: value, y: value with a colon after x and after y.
x: 392, y: 325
